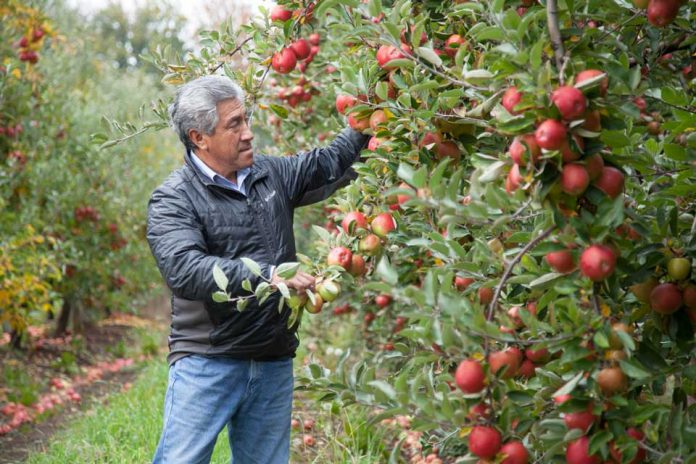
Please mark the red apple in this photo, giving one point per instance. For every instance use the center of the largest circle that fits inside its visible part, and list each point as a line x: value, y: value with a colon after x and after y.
x: 340, y: 256
x: 301, y: 48
x: 569, y: 152
x: 469, y: 376
x: 510, y: 359
x: 387, y: 53
x: 377, y: 118
x: 662, y: 12
x: 314, y: 38
x: 485, y: 295
x: 484, y: 441
x: 593, y: 121
x: 284, y: 61
x: 666, y: 298
x: 611, y: 181
x: 561, y: 261
x: 597, y: 262
x: 279, y: 13
x: 511, y: 98
x: 461, y: 283
x: 382, y: 301
x: 316, y: 307
x: 357, y: 266
x: 578, y: 452
x: 582, y: 420
x: 590, y: 74
x: 354, y: 221
x: 689, y: 296
x: 640, y: 455
x: 571, y: 103
x: 523, y: 149
x: 453, y: 44
x: 370, y: 244
x: 514, y: 452
x: 382, y: 224
x: 574, y: 179
x: 612, y: 380
x: 550, y: 134
x: 594, y: 165
x: 358, y: 124
x: 539, y: 356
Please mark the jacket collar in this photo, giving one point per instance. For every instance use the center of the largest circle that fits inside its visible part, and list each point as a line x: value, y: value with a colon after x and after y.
x: 257, y: 172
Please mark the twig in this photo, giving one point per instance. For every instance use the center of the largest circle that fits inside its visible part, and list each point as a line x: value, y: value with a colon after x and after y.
x: 555, y: 33
x: 511, y: 265
x: 232, y: 53
x: 595, y: 297
x: 610, y: 31
x: 683, y: 108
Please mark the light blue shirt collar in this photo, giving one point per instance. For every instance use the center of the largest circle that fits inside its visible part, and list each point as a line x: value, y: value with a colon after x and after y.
x: 219, y: 179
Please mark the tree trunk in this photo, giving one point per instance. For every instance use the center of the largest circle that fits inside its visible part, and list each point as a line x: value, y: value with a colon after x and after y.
x: 63, y: 318
x: 16, y: 340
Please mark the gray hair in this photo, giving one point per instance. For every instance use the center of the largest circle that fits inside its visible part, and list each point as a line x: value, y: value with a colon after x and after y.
x: 195, y: 105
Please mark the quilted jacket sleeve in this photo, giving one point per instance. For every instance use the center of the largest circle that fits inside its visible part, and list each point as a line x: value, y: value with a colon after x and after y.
x: 314, y: 175
x: 176, y: 239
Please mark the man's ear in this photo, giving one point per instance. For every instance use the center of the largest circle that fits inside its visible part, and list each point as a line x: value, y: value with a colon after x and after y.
x: 198, y: 139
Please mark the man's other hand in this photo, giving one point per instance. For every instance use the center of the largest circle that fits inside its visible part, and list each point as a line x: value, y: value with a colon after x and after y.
x: 300, y: 282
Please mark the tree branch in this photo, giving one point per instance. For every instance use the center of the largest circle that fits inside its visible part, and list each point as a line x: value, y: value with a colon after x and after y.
x: 555, y: 34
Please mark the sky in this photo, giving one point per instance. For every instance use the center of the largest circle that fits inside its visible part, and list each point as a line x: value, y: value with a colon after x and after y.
x: 192, y: 9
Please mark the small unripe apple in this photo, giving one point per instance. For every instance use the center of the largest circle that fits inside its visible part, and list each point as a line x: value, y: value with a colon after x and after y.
x: 511, y: 98
x: 469, y: 376
x: 550, y: 134
x: 316, y: 307
x: 612, y: 380
x: 643, y: 289
x: 642, y: 4
x: 574, y: 179
x: 571, y: 103
x: 597, y: 262
x: 679, y: 268
x: 328, y: 290
x: 666, y: 298
x: 484, y: 441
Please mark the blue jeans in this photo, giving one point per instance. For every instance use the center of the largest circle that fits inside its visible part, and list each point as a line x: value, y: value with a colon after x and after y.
x: 252, y: 398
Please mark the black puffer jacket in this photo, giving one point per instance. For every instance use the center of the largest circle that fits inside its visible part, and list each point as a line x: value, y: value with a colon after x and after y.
x: 194, y: 224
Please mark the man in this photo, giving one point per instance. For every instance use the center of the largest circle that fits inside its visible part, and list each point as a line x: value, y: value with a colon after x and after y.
x: 231, y: 368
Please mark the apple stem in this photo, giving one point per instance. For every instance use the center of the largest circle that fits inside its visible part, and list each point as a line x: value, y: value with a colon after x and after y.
x: 555, y: 35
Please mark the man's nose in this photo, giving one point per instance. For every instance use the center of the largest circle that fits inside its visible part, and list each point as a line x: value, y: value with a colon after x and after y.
x: 247, y: 134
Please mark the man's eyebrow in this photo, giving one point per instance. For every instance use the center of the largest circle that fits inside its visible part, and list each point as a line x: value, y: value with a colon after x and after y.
x: 234, y: 118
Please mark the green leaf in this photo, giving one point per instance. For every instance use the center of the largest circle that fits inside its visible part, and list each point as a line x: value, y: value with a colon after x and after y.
x: 615, y: 139
x: 570, y: 385
x: 430, y: 55
x: 220, y: 278
x: 387, y: 271
x: 599, y: 440
x: 384, y: 387
x: 545, y: 280
x: 287, y: 270
x: 220, y: 297
x: 284, y: 290
x: 492, y: 172
x: 490, y: 33
x: 280, y: 111
x: 242, y: 304
x: 634, y: 370
x: 253, y: 267
x: 246, y: 285
x: 262, y: 290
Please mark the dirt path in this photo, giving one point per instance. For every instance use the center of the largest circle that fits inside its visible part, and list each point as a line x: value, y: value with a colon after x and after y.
x: 16, y: 445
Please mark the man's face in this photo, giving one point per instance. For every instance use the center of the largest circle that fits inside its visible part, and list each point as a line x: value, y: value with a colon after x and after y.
x: 229, y: 147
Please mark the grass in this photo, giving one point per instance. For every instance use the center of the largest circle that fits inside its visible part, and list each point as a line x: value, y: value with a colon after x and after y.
x: 126, y: 426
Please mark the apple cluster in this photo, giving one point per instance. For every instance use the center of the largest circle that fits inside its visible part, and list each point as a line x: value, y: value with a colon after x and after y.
x: 26, y: 45
x: 301, y: 92
x: 674, y: 292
